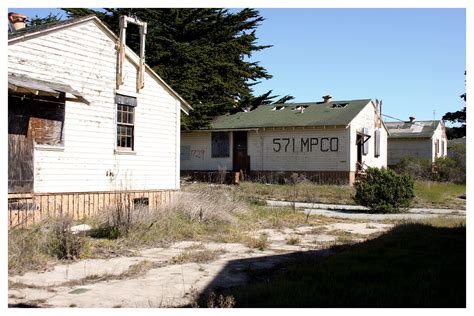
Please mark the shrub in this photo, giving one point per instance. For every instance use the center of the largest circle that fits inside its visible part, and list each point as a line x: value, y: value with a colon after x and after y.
x: 453, y: 168
x: 420, y: 169
x: 63, y: 243
x: 384, y: 191
x: 31, y: 248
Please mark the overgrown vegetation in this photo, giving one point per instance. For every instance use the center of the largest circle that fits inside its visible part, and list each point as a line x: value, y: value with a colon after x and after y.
x: 428, y: 193
x: 51, y: 239
x: 301, y: 190
x: 440, y: 195
x: 384, y: 191
x: 411, y: 266
x: 445, y: 169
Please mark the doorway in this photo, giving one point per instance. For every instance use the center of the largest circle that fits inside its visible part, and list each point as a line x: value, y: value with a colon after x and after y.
x: 240, y: 159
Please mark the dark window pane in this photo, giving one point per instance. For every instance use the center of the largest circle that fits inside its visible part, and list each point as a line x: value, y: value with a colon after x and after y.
x: 220, y: 144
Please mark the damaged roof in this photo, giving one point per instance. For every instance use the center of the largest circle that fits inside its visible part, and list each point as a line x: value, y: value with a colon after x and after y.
x: 32, y: 31
x: 416, y: 129
x: 335, y: 113
x: 46, y: 26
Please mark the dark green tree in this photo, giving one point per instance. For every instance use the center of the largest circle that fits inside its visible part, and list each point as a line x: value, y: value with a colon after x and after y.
x: 458, y: 117
x: 51, y: 18
x: 201, y: 53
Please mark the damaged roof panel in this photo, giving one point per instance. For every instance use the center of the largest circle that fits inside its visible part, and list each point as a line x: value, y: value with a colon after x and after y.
x: 26, y: 84
x: 416, y: 129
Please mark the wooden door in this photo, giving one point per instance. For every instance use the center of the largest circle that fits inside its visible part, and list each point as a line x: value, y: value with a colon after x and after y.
x: 240, y: 161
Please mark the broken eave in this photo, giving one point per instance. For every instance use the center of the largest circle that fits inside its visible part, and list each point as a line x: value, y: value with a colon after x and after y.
x: 22, y: 84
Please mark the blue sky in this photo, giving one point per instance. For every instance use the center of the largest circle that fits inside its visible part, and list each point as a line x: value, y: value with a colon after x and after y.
x: 412, y: 59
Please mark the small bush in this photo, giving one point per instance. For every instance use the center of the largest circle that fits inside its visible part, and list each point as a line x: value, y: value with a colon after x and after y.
x: 450, y: 170
x: 419, y: 169
x: 51, y: 239
x: 384, y: 191
x: 63, y: 243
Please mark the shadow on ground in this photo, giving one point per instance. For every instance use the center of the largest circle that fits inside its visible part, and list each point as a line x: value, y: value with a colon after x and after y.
x: 412, y: 265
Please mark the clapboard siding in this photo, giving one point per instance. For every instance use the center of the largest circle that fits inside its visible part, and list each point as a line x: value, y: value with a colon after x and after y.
x: 280, y: 150
x: 84, y: 57
x: 368, y: 118
x: 301, y: 159
x: 199, y: 144
x: 418, y: 148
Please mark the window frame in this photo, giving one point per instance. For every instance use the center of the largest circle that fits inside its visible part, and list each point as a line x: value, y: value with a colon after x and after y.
x: 125, y: 115
x: 213, y: 151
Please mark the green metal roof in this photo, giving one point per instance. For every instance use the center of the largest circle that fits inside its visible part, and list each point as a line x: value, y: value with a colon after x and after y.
x: 417, y: 129
x: 290, y: 115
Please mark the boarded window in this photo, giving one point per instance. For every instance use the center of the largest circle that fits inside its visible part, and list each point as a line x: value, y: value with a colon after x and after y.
x: 125, y: 121
x: 42, y: 117
x: 220, y: 144
x: 377, y: 143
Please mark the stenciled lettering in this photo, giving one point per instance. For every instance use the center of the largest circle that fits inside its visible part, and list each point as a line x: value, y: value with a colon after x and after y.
x: 308, y: 144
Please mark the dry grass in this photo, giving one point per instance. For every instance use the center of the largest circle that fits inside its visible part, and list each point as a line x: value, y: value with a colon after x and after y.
x: 260, y: 243
x: 197, y: 256
x: 38, y: 246
x: 428, y: 193
x: 196, y: 216
x: 293, y: 241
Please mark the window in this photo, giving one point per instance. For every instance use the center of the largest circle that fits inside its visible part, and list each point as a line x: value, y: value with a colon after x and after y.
x: 220, y: 144
x: 40, y: 117
x: 442, y: 149
x: 436, y: 148
x: 141, y: 203
x: 125, y: 121
x: 377, y: 143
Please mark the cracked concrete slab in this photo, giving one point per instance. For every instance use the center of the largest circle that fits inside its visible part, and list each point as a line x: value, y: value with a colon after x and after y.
x: 170, y: 284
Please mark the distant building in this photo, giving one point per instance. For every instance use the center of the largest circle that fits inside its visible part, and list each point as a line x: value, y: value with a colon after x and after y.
x: 420, y: 139
x: 327, y: 142
x: 87, y: 120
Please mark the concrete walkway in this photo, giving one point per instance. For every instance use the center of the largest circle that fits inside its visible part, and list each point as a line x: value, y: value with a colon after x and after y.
x: 358, y: 212
x: 166, y: 280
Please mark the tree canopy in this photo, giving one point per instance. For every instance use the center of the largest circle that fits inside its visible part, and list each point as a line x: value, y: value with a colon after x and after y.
x: 458, y: 117
x: 203, y: 54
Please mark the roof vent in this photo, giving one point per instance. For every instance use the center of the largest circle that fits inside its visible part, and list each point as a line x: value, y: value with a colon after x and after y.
x: 327, y: 98
x: 278, y: 108
x: 17, y: 21
x: 300, y: 108
x: 339, y: 105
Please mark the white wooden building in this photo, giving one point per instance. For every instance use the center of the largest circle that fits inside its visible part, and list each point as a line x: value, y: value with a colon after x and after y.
x: 87, y: 120
x: 419, y: 139
x: 327, y: 142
